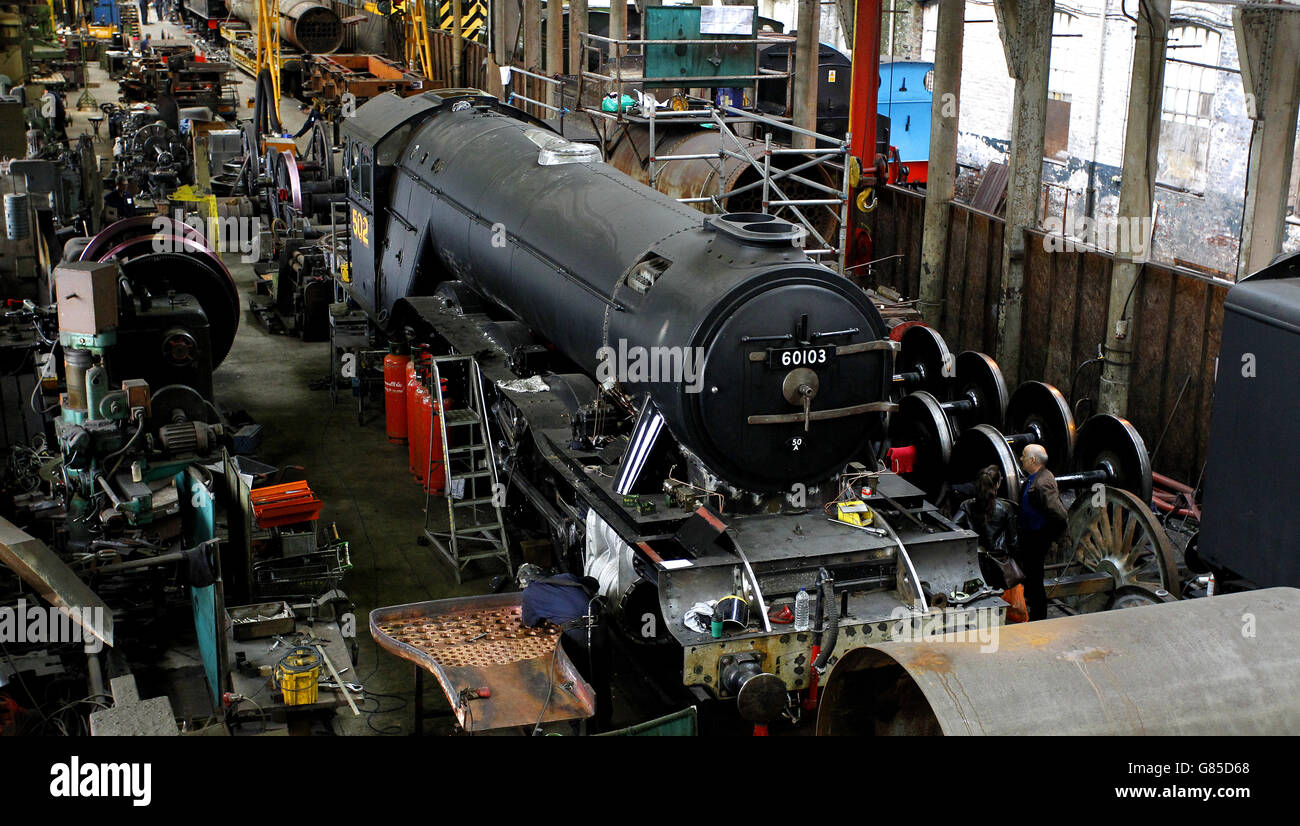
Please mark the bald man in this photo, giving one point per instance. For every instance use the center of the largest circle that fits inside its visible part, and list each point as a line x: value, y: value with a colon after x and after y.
x: 1042, y: 520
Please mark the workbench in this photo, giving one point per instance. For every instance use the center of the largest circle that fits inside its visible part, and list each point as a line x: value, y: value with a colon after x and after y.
x: 261, y: 690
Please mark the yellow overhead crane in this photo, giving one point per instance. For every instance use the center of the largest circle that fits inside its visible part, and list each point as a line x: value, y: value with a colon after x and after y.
x: 268, y: 47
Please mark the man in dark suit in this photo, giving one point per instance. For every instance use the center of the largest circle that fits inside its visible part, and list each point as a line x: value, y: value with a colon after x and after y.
x: 1042, y: 520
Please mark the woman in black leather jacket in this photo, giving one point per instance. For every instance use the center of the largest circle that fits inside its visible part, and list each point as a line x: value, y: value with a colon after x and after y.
x: 994, y: 520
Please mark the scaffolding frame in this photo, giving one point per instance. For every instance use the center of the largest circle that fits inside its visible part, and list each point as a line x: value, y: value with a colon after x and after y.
x: 779, y: 136
x: 558, y: 82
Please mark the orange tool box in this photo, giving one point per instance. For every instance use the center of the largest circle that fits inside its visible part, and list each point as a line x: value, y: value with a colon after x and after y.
x: 285, y: 504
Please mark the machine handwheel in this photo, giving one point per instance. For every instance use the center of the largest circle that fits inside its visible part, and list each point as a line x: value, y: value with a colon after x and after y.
x: 1122, y: 538
x: 250, y: 165
x: 1040, y: 407
x: 127, y: 229
x: 287, y: 180
x: 320, y: 150
x: 271, y: 170
x: 922, y: 350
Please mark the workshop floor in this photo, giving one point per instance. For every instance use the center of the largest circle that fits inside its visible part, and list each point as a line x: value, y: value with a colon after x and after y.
x: 360, y: 476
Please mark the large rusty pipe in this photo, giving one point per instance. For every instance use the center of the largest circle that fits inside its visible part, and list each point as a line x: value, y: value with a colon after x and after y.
x: 1219, y: 665
x: 699, y: 178
x: 306, y: 24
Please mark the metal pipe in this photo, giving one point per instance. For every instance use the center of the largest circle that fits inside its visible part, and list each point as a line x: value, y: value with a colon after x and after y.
x: 710, y: 42
x: 704, y: 156
x: 1219, y: 665
x: 145, y: 562
x: 95, y: 674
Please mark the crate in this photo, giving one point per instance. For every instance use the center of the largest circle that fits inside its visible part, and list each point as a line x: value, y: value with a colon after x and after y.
x: 286, y: 504
x: 308, y: 575
x: 264, y: 619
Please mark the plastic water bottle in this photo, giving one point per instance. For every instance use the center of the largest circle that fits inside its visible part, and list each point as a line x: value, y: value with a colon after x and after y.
x: 801, y: 610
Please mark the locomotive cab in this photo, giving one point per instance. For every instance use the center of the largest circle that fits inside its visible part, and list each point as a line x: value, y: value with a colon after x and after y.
x: 374, y: 143
x: 371, y: 147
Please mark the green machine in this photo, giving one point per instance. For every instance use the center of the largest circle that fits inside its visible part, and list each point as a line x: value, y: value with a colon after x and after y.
x: 686, y: 65
x: 101, y: 430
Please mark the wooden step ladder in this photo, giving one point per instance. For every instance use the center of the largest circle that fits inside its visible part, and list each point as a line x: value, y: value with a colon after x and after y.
x: 473, y: 493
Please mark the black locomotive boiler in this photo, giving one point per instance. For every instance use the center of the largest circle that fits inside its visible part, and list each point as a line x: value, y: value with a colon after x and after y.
x: 595, y: 263
x: 476, y: 226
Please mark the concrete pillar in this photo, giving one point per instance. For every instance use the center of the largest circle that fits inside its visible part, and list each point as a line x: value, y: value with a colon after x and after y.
x: 501, y: 47
x: 503, y: 20
x: 942, y: 183
x: 806, y: 51
x: 1268, y: 40
x: 457, y: 45
x: 532, y: 39
x: 617, y: 26
x: 1136, y: 195
x: 554, y: 48
x: 1026, y: 30
x: 577, y: 28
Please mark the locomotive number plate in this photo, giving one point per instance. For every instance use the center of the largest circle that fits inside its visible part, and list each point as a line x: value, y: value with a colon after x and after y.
x: 361, y: 227
x: 786, y: 357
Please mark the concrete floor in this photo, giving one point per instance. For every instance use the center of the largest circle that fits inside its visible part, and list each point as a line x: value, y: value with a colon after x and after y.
x: 362, y: 478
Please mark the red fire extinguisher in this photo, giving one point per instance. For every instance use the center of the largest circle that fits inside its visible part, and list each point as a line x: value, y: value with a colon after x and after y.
x: 395, y: 421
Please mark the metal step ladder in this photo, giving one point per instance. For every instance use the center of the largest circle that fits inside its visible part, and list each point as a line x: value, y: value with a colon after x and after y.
x: 475, y: 526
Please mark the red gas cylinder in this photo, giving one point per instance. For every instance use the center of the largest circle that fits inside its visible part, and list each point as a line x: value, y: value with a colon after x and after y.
x: 436, y: 474
x: 420, y: 433
x: 395, y: 397
x: 412, y: 417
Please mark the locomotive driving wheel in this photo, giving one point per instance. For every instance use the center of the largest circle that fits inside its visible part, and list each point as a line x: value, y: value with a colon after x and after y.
x: 1119, y: 538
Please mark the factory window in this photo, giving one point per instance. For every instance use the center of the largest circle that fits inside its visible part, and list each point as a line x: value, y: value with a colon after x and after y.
x: 1187, y: 106
x: 1060, y: 86
x: 361, y: 174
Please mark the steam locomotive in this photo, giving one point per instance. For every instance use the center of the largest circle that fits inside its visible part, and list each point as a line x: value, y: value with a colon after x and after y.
x: 475, y: 225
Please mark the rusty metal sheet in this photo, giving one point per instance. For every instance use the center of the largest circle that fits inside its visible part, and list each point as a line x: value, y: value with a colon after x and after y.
x: 469, y: 643
x: 42, y: 569
x: 1221, y: 665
